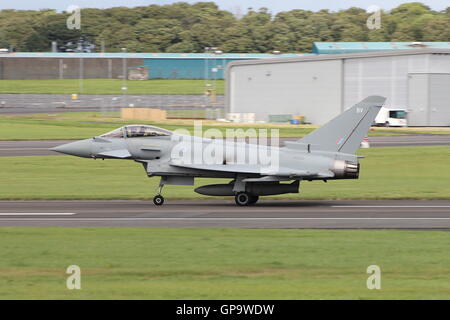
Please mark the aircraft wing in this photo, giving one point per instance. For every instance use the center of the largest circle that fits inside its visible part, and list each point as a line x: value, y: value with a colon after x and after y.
x: 281, y: 173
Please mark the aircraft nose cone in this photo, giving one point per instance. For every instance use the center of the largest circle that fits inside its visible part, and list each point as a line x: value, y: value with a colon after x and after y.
x: 80, y: 148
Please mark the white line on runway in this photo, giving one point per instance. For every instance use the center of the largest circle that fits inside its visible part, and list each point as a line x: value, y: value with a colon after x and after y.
x: 207, y: 219
x: 407, y: 142
x: 22, y: 149
x: 37, y: 214
x: 390, y: 206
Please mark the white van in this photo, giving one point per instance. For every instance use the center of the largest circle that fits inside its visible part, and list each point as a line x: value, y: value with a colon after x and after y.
x: 391, y: 117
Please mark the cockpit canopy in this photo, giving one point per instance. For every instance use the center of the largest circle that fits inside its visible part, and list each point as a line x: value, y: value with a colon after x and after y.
x: 117, y: 133
x: 136, y: 131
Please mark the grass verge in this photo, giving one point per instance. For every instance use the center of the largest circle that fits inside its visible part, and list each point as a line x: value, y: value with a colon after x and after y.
x: 107, y: 86
x: 386, y: 173
x: 125, y: 263
x: 80, y: 125
x: 83, y: 125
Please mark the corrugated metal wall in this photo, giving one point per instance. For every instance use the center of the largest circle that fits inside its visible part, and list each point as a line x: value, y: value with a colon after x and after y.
x: 51, y: 65
x: 385, y: 76
x: 187, y: 68
x: 312, y: 89
x: 63, y: 68
x: 404, y: 81
x: 439, y: 101
x: 321, y: 89
x: 418, y: 99
x: 429, y: 99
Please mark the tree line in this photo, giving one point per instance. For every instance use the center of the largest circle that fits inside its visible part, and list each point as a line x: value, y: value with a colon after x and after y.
x: 183, y: 27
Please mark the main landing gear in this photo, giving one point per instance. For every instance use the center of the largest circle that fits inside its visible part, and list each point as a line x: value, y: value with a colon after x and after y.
x: 245, y: 199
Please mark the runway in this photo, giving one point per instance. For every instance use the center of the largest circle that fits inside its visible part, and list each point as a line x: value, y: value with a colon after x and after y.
x: 381, y: 214
x: 41, y: 147
x: 27, y: 103
x: 29, y: 147
x: 53, y: 109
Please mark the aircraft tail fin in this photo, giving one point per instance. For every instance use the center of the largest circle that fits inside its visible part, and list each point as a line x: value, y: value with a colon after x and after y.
x: 346, y: 132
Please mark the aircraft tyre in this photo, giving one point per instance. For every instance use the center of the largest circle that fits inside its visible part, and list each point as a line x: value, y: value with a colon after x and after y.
x: 158, y: 200
x: 243, y: 199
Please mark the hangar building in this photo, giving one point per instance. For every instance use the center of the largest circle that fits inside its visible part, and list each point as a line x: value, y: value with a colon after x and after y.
x: 321, y: 87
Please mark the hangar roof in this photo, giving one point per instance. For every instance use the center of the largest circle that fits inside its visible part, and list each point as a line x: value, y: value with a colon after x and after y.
x: 352, y: 47
x: 324, y: 57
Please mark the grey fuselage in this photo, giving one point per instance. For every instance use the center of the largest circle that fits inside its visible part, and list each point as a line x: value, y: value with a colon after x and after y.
x: 160, y: 158
x: 256, y: 168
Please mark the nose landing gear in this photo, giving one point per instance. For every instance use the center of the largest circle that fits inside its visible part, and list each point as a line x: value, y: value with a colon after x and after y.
x: 158, y: 200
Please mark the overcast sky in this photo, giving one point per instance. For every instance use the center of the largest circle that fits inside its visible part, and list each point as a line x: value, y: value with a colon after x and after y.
x: 232, y: 5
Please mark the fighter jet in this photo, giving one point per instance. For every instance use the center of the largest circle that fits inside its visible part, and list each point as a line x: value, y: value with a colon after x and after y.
x: 327, y: 153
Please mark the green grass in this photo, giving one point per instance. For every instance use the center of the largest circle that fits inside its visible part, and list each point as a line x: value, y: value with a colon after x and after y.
x: 144, y: 263
x: 107, y: 86
x: 80, y: 125
x: 386, y: 173
x: 84, y: 125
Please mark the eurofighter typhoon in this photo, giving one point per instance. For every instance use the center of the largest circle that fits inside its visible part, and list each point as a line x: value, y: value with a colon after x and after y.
x: 254, y: 170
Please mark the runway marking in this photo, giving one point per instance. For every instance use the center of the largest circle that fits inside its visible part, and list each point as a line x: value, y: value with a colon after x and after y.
x: 407, y: 142
x: 410, y: 206
x: 22, y: 149
x: 208, y: 219
x: 37, y: 214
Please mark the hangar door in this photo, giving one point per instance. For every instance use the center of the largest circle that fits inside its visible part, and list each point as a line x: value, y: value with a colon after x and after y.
x: 439, y: 101
x: 418, y: 99
x: 429, y: 99
x: 298, y: 87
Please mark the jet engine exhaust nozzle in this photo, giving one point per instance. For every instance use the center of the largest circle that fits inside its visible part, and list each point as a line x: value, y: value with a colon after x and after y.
x: 346, y: 169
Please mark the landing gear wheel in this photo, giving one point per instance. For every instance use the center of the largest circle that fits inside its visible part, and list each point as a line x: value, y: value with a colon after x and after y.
x: 242, y: 199
x: 158, y: 200
x: 253, y: 199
